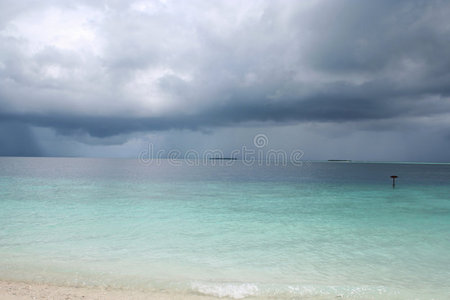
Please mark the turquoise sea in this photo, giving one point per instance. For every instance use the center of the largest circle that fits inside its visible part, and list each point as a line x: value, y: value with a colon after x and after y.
x: 316, y: 230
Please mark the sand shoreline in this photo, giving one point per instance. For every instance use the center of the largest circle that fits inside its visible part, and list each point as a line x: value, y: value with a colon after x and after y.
x: 15, y: 290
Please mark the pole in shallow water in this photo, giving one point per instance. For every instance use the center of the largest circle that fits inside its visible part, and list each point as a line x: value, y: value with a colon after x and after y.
x: 393, y: 180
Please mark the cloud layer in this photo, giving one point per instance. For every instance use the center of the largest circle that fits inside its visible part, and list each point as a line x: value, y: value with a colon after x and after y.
x: 108, y: 68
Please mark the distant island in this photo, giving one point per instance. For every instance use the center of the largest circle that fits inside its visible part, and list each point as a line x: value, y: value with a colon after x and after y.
x: 223, y: 158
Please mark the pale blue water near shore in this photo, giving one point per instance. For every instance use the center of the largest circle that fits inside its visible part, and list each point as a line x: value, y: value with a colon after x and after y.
x: 320, y: 230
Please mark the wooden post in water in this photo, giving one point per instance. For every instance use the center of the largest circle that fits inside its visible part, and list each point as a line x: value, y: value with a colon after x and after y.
x: 393, y: 180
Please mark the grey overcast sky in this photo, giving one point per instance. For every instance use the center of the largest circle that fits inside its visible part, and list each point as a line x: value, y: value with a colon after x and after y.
x: 365, y: 80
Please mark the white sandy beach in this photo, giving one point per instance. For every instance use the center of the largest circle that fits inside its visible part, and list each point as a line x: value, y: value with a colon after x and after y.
x: 11, y: 290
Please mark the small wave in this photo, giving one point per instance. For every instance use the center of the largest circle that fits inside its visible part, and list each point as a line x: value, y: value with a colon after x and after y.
x: 232, y: 290
x: 243, y: 290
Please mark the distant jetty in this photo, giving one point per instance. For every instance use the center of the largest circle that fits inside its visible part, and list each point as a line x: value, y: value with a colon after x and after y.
x: 340, y: 160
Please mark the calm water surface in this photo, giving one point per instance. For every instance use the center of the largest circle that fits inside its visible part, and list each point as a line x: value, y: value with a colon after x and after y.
x: 318, y: 230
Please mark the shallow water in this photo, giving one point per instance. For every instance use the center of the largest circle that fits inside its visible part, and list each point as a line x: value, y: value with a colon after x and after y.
x: 228, y: 229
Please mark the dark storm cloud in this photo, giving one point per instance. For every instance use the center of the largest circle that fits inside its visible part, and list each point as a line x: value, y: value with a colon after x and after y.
x: 120, y: 67
x: 17, y: 140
